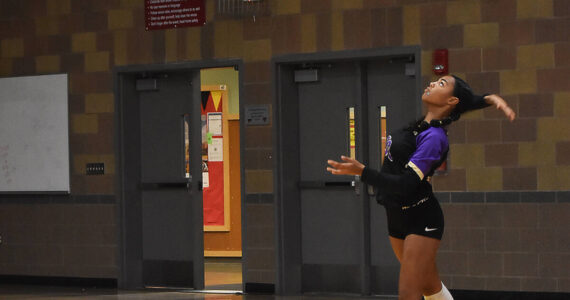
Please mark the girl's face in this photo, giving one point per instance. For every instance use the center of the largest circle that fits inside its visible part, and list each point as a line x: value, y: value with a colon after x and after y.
x: 440, y: 92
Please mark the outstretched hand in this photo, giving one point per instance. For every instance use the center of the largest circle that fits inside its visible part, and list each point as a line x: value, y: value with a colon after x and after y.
x: 501, y: 104
x: 350, y: 166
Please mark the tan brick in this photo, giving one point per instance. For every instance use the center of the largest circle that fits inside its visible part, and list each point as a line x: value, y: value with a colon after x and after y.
x: 552, y: 129
x: 12, y: 48
x: 48, y: 64
x: 562, y: 150
x: 454, y: 180
x: 519, y: 179
x: 463, y: 12
x: 465, y: 60
x: 553, y: 80
x: 518, y: 82
x: 193, y: 35
x: 120, y: 19
x: 99, y: 103
x: 309, y: 33
x: 534, y: 8
x: 562, y: 104
x: 337, y: 31
x: 433, y: 14
x: 501, y: 154
x: 411, y: 16
x: 120, y: 47
x: 84, y: 42
x: 517, y: 33
x: 482, y: 131
x: 228, y: 39
x: 257, y: 50
x: 58, y: 7
x: 85, y: 123
x: 485, y: 179
x: 498, y: 10
x: 343, y: 4
x: 481, y: 35
x: 535, y: 56
x: 5, y: 67
x: 499, y: 58
x: 473, y: 115
x: 441, y: 37
x: 47, y: 26
x: 286, y: 34
x: 80, y: 161
x: 235, y: 38
x: 452, y: 263
x: 316, y: 6
x: 97, y: 61
x: 220, y: 39
x: 485, y: 264
x: 536, y: 105
x: 357, y: 34
x: 554, y: 178
x: 171, y: 45
x: 259, y: 181
x: 132, y: 4
x: 537, y: 153
x: 466, y: 155
x: 286, y: 7
x: 427, y: 57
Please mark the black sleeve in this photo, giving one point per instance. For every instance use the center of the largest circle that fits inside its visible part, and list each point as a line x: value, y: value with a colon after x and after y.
x: 404, y: 184
x: 479, y: 101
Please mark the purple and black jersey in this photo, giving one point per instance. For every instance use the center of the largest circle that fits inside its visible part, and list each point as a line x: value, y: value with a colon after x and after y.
x: 431, y: 144
x: 411, y: 156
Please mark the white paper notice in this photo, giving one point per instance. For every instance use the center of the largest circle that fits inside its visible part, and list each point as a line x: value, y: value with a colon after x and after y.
x: 216, y: 150
x: 205, y: 179
x: 215, y: 123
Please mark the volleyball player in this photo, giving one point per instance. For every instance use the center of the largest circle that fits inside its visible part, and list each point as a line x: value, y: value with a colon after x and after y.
x: 413, y: 153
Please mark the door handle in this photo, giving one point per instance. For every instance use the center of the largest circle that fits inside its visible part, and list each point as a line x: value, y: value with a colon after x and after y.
x: 356, y: 185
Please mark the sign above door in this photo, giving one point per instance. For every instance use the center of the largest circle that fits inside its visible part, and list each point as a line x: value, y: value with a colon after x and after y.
x: 166, y: 14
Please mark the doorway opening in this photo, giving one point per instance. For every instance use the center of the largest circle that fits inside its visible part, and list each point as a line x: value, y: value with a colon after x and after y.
x: 179, y: 186
x: 221, y: 178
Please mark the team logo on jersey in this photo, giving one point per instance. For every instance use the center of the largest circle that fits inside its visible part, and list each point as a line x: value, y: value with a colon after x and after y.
x: 388, y: 144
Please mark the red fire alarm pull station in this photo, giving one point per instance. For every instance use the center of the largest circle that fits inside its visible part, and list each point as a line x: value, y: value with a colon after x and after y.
x: 440, y: 63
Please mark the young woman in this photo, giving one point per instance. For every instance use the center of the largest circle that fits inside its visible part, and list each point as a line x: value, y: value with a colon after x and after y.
x: 415, y: 219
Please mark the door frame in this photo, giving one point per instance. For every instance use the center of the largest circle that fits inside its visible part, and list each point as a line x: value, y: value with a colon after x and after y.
x: 287, y: 213
x: 129, y: 262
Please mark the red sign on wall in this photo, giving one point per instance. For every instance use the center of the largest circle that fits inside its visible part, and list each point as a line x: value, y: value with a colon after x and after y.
x: 165, y: 14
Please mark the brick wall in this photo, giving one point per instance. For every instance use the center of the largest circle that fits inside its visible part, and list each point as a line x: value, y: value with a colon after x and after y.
x: 58, y: 236
x: 518, y: 48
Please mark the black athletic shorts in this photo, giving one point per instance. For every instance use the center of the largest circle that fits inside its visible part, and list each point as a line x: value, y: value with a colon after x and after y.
x: 425, y: 219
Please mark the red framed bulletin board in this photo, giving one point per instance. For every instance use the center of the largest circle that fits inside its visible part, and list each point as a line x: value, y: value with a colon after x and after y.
x: 215, y: 158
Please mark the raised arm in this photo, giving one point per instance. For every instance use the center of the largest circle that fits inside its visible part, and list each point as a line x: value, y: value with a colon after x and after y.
x: 499, y: 103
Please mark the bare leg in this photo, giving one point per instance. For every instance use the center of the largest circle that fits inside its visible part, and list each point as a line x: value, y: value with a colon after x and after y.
x: 418, y: 271
x: 398, y: 247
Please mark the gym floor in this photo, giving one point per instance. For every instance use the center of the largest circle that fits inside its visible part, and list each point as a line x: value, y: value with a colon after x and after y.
x: 221, y: 274
x: 20, y: 292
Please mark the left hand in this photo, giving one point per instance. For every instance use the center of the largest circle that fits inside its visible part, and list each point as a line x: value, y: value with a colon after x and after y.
x: 501, y: 104
x: 349, y: 167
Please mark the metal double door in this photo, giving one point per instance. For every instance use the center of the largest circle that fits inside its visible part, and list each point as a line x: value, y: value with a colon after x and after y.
x: 344, y: 244
x: 170, y: 175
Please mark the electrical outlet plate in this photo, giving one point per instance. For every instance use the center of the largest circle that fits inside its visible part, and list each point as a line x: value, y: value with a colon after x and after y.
x: 95, y: 169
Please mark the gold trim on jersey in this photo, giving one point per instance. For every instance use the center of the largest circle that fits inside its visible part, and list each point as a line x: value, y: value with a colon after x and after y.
x: 416, y: 169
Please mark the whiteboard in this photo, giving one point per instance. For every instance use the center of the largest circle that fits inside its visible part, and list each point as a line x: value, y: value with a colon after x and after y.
x: 34, y: 134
